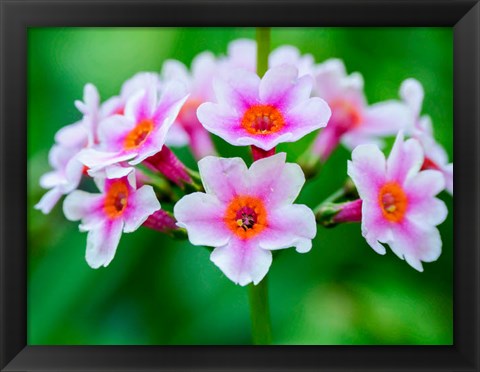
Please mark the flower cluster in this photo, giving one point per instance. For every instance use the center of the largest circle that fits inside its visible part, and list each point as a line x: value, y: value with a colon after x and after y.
x: 244, y: 212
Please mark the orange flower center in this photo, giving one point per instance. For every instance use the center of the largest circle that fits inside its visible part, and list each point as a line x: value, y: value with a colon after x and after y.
x: 246, y: 216
x: 393, y: 201
x: 262, y: 119
x: 116, y: 199
x: 138, y: 135
x: 345, y: 115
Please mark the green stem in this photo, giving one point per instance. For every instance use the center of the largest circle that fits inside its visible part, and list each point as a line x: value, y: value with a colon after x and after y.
x: 258, y: 294
x: 260, y: 313
x: 263, y: 49
x: 347, y: 191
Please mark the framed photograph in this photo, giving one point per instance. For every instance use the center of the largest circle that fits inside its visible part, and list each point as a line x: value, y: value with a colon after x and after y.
x: 239, y: 186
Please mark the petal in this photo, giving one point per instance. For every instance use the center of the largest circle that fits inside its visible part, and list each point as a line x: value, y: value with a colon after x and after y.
x: 174, y: 95
x: 411, y: 91
x: 367, y: 170
x: 113, y: 105
x: 98, y: 159
x: 204, y: 68
x: 223, y: 177
x: 352, y: 139
x: 202, y: 215
x: 448, y: 174
x: 423, y: 207
x: 81, y: 205
x: 114, y: 171
x: 386, y: 118
x: 102, y: 243
x: 140, y: 81
x: 49, y: 200
x: 221, y: 121
x: 91, y: 100
x: 175, y: 70
x: 141, y: 204
x: 416, y: 242
x: 177, y: 136
x: 51, y: 179
x: 281, y: 87
x: 375, y: 228
x: 140, y: 106
x: 201, y: 143
x: 405, y: 159
x: 72, y: 136
x: 242, y: 261
x: 112, y: 132
x: 73, y: 175
x: 425, y: 184
x: 332, y: 83
x: 237, y: 90
x: 242, y: 53
x: 289, y: 226
x: 60, y: 155
x: 274, y: 181
x: 307, y: 116
x: 289, y: 54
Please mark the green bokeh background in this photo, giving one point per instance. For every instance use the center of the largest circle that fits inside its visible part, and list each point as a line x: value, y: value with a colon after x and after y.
x: 160, y: 291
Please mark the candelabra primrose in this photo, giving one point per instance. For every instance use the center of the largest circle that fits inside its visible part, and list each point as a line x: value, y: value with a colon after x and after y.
x: 245, y: 211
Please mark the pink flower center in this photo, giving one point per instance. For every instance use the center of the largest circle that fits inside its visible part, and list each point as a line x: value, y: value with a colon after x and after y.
x: 246, y: 216
x: 262, y: 119
x: 345, y: 115
x: 116, y: 199
x: 138, y: 135
x: 393, y: 201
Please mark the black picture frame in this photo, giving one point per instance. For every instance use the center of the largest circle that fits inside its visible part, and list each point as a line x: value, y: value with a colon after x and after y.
x: 17, y: 16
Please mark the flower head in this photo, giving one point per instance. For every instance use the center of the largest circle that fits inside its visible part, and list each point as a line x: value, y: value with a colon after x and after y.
x: 353, y: 122
x: 246, y: 213
x: 399, y: 207
x: 120, y: 207
x: 436, y: 157
x: 63, y: 156
x: 139, y: 133
x: 263, y: 112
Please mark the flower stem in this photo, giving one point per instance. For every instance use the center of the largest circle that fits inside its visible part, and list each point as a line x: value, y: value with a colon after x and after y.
x: 330, y: 212
x: 263, y: 49
x: 258, y: 294
x: 260, y: 313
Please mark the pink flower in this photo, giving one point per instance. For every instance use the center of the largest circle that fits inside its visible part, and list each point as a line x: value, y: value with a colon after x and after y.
x: 199, y: 82
x: 263, y: 112
x: 436, y: 157
x: 246, y: 213
x: 138, y: 82
x: 63, y: 156
x: 353, y: 122
x: 242, y: 53
x: 138, y: 134
x: 64, y: 178
x: 120, y: 207
x: 399, y: 207
x: 90, y: 108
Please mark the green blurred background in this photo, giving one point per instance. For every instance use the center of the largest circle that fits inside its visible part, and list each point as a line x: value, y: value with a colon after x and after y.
x: 161, y: 291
